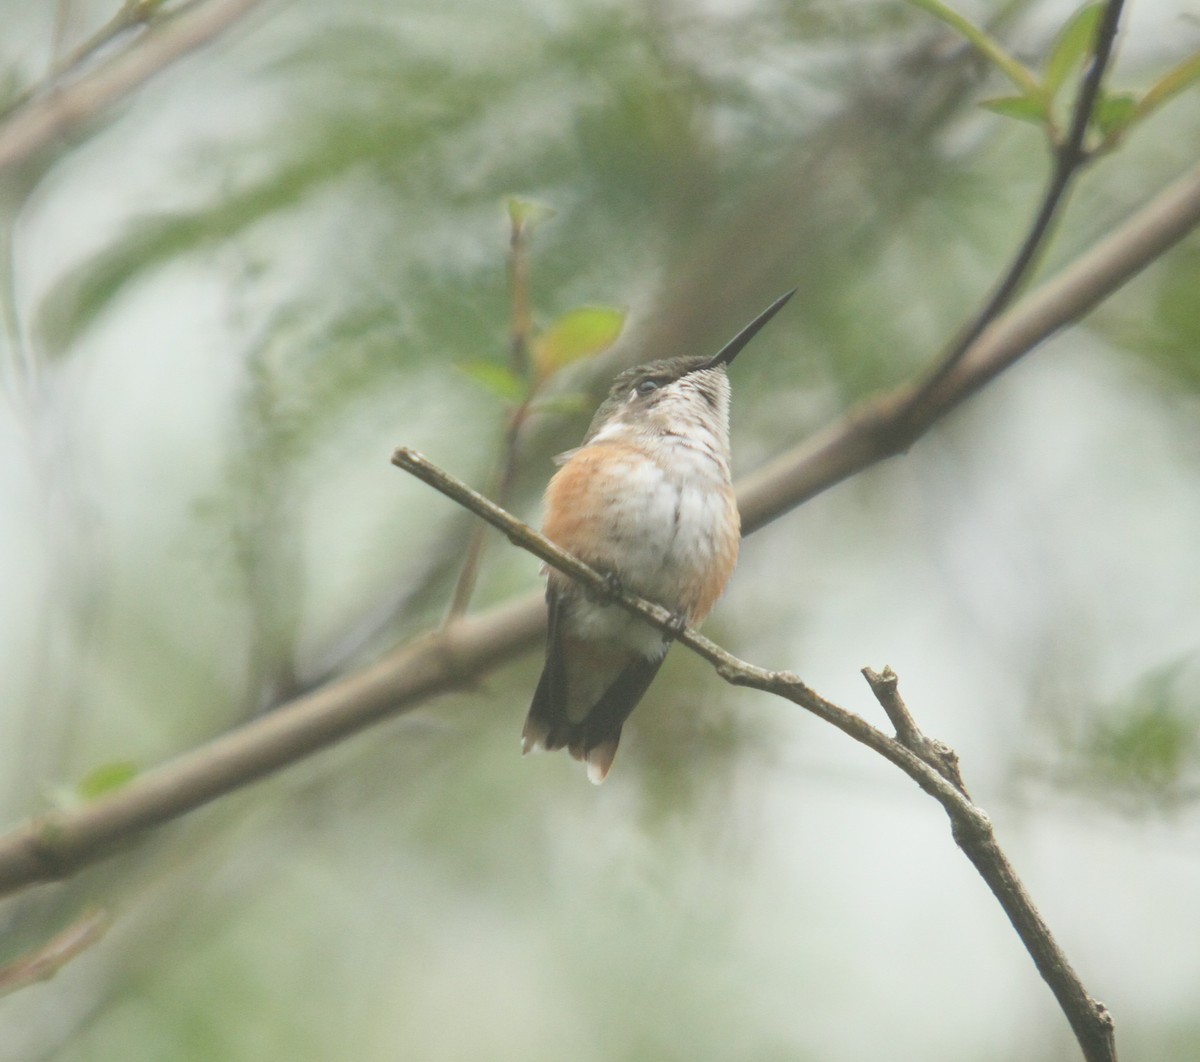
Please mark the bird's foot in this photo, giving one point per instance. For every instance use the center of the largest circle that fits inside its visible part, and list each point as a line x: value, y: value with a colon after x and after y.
x: 613, y: 589
x: 678, y: 624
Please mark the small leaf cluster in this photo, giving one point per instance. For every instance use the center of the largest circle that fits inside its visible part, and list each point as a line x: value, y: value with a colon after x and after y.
x: 576, y: 335
x: 1038, y: 98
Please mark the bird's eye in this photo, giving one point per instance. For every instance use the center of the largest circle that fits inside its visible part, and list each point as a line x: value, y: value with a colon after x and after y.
x: 644, y: 387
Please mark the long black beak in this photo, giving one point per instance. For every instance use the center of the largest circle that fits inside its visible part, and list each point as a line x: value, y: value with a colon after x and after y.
x: 731, y: 349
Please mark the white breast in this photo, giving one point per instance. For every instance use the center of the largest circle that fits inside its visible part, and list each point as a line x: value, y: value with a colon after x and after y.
x: 662, y: 517
x: 666, y: 521
x: 675, y: 506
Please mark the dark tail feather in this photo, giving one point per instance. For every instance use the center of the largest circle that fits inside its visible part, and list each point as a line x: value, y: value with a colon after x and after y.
x: 595, y: 738
x: 547, y: 725
x: 600, y: 732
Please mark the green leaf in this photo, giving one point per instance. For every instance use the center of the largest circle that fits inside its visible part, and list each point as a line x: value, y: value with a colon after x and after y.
x: 1172, y: 83
x: 1071, y: 48
x: 1019, y: 74
x: 105, y: 779
x: 1023, y: 108
x: 500, y: 381
x: 1114, y: 114
x: 580, y: 333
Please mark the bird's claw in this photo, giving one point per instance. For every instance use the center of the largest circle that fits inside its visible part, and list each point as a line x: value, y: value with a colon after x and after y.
x: 613, y: 589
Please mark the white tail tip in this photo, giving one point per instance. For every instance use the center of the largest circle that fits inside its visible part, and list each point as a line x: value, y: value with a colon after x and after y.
x: 599, y: 760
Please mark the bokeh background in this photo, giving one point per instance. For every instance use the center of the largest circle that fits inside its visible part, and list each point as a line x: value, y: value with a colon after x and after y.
x: 226, y: 303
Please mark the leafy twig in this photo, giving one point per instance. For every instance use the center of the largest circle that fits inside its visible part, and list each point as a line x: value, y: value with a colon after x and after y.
x: 1016, y: 71
x: 1070, y: 157
x: 533, y: 363
x: 505, y: 471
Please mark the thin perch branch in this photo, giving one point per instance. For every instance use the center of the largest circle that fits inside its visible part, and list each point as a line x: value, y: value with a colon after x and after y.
x: 931, y: 764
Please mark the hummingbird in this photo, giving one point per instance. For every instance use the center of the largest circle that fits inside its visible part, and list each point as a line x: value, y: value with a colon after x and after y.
x: 647, y: 499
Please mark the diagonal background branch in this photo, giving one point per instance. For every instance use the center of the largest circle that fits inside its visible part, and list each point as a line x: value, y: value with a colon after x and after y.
x: 49, y: 117
x: 880, y: 428
x: 60, y: 842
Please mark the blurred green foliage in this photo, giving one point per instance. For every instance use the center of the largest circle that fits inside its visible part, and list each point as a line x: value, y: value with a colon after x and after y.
x: 277, y: 262
x: 1142, y: 751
